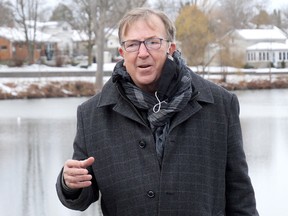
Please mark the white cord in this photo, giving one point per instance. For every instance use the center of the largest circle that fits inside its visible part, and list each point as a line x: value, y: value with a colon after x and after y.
x: 157, y: 107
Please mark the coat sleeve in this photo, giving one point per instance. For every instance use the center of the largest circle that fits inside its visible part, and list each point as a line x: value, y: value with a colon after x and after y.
x: 240, y: 198
x: 90, y: 194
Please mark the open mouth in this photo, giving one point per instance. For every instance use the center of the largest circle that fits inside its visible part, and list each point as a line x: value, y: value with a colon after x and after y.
x: 144, y: 66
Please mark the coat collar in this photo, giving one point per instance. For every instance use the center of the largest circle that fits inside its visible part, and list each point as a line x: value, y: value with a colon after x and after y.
x: 110, y: 94
x: 203, y: 88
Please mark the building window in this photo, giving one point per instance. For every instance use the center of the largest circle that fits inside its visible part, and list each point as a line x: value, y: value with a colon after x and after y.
x: 260, y: 56
x: 280, y: 56
x: 264, y: 56
x: 284, y: 56
x: 38, y: 46
x: 3, y: 47
x: 268, y: 56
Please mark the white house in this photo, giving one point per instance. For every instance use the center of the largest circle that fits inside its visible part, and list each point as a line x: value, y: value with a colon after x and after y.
x: 62, y: 31
x: 112, y: 45
x: 256, y: 47
x: 266, y: 54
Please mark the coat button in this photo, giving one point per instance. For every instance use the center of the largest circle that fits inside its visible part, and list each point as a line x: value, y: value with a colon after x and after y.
x: 150, y: 194
x: 142, y: 144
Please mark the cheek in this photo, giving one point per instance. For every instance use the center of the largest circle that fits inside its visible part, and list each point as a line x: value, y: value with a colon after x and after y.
x: 160, y: 62
x: 130, y: 67
x: 129, y: 63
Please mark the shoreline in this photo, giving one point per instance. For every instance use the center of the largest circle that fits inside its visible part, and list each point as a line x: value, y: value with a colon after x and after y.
x: 83, y: 88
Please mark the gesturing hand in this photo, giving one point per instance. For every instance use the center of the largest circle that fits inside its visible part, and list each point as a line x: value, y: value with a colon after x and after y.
x: 75, y: 173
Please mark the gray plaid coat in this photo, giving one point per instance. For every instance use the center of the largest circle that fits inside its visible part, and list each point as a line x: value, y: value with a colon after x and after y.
x: 203, y: 172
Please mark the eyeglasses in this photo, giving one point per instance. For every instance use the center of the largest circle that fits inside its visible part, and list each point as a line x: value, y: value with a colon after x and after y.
x: 150, y: 44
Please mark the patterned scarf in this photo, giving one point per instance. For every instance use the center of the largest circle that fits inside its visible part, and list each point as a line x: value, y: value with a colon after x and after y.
x: 173, y: 92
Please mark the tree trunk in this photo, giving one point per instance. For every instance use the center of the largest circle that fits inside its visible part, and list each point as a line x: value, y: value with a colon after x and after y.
x: 100, y: 40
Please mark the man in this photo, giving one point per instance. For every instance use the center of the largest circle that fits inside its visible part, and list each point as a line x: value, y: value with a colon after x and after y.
x: 158, y: 139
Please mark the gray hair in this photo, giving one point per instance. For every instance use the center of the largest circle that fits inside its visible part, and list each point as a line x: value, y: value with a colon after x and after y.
x: 145, y: 13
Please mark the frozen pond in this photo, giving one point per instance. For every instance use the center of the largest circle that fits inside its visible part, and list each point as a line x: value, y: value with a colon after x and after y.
x: 36, y: 138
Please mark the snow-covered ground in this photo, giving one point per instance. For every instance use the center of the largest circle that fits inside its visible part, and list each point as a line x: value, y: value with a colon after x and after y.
x: 14, y: 85
x: 110, y: 67
x: 45, y: 68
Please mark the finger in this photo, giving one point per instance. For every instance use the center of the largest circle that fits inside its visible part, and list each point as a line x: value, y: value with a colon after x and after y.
x: 86, y: 163
x: 79, y: 178
x: 74, y: 171
x: 79, y: 164
x: 78, y: 181
x: 72, y: 164
x: 79, y: 185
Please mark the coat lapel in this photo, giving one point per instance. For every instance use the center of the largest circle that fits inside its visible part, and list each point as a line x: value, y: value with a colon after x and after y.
x: 202, y: 94
x: 110, y: 96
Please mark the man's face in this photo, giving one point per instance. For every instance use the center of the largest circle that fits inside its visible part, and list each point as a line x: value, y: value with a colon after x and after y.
x: 145, y: 66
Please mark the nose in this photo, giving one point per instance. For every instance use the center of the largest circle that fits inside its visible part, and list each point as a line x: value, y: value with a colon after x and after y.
x: 143, y: 51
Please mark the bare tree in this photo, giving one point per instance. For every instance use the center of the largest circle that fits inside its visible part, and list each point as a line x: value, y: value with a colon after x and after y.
x: 262, y: 18
x: 62, y: 12
x: 170, y: 7
x: 26, y: 15
x: 236, y: 13
x: 84, y: 23
x: 278, y: 18
x: 173, y: 7
x: 285, y: 17
x: 6, y: 14
x: 100, y: 17
x: 109, y: 12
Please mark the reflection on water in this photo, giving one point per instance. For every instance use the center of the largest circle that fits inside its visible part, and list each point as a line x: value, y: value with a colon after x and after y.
x: 33, y: 185
x: 264, y: 118
x: 36, y: 138
x: 267, y: 155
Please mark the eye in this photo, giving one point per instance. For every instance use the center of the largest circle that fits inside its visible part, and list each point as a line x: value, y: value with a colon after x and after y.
x: 131, y: 44
x: 153, y: 41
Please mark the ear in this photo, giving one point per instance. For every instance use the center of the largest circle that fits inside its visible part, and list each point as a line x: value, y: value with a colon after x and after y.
x: 172, y: 48
x: 121, y: 51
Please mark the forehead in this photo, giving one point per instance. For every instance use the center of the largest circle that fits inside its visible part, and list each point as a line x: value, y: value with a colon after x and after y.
x: 153, y: 22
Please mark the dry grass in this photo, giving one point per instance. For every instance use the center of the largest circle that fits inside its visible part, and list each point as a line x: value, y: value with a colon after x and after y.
x: 50, y: 90
x: 81, y: 89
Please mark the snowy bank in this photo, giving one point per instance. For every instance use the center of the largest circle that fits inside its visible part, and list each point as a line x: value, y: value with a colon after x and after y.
x: 83, y: 85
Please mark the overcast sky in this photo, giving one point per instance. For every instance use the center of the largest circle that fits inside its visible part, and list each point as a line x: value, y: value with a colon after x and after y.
x: 278, y: 4
x: 274, y: 4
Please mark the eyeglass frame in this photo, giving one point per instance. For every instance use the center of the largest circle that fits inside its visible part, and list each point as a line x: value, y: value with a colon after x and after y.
x: 145, y: 43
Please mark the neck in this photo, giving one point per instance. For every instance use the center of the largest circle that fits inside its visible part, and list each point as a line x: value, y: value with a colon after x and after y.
x: 151, y: 88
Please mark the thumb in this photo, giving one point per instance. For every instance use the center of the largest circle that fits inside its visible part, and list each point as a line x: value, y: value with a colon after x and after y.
x: 88, y: 162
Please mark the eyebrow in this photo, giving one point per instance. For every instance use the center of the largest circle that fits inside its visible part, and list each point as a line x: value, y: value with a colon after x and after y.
x: 144, y: 39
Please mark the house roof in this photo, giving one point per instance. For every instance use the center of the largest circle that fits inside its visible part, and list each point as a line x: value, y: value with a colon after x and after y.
x: 262, y: 34
x: 266, y: 46
x: 79, y: 36
x: 14, y: 34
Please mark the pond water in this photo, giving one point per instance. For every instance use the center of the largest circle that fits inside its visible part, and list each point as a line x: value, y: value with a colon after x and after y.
x: 36, y: 139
